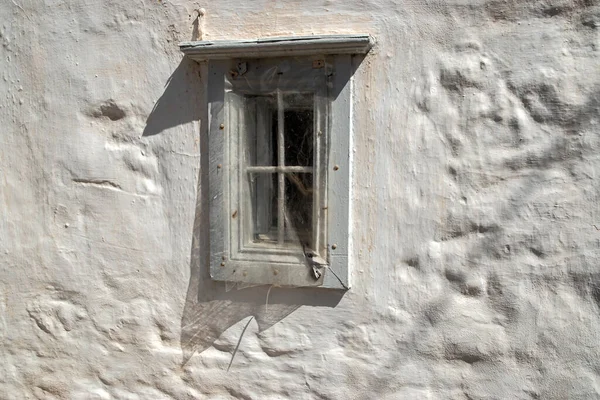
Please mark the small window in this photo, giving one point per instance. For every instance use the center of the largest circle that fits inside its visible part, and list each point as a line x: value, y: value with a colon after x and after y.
x: 279, y: 140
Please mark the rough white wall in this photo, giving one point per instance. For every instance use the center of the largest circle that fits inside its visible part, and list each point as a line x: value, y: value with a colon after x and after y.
x: 476, y: 161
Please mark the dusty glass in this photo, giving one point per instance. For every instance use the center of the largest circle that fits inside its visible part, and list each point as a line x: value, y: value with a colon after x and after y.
x: 278, y: 168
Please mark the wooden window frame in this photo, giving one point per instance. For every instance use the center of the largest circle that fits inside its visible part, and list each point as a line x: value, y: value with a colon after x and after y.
x: 230, y: 260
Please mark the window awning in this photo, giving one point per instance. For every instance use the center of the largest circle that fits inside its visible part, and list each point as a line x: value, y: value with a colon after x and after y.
x: 278, y: 47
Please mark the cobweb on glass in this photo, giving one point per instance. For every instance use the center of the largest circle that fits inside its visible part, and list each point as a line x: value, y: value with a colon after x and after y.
x: 298, y: 121
x: 279, y: 203
x: 298, y: 209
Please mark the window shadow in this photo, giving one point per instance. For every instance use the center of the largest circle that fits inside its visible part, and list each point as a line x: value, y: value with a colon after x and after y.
x: 212, y: 307
x: 178, y: 104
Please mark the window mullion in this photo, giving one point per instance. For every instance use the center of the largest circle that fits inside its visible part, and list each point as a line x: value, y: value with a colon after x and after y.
x: 280, y: 175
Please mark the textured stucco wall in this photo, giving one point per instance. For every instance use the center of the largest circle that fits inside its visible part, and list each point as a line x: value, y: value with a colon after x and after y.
x: 475, y: 259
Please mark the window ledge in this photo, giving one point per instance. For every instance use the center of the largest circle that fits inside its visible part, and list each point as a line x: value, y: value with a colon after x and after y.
x: 277, y: 47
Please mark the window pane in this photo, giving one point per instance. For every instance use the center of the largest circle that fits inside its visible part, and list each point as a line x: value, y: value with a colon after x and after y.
x: 259, y: 132
x: 281, y: 199
x: 298, y: 129
x: 298, y: 209
x: 265, y: 206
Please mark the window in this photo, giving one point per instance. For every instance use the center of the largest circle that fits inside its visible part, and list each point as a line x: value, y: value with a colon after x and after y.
x: 279, y: 140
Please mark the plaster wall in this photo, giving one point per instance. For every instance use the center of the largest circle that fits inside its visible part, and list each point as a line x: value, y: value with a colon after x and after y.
x: 475, y: 207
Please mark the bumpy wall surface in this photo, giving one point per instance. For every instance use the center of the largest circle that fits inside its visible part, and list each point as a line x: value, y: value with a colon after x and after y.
x: 475, y: 207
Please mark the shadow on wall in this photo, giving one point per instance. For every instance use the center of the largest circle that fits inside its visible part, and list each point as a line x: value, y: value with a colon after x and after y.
x: 212, y: 307
x: 177, y: 105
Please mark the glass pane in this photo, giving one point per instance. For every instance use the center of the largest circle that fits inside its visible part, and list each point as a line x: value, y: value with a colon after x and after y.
x: 281, y: 198
x: 260, y: 134
x: 298, y: 129
x: 265, y: 207
x: 298, y: 208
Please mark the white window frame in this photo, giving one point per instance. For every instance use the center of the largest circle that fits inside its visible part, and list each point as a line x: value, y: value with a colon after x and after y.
x: 230, y: 261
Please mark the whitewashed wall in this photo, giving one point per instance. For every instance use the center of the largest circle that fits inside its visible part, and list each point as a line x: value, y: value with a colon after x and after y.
x: 475, y: 260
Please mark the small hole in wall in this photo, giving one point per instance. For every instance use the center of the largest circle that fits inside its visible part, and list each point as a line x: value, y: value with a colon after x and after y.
x: 109, y: 109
